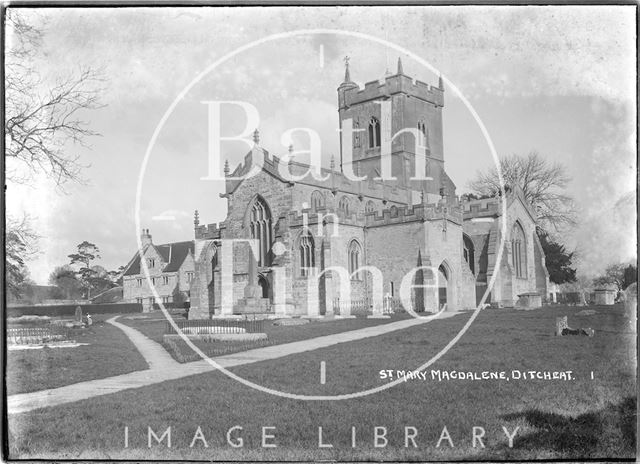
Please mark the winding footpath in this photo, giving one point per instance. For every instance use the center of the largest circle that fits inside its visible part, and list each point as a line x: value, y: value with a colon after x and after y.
x: 163, y: 367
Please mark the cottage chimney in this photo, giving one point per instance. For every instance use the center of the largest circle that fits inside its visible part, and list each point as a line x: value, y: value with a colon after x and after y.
x: 145, y: 238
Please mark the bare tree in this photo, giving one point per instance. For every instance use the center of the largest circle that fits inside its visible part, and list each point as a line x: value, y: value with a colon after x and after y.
x: 43, y: 115
x: 542, y: 182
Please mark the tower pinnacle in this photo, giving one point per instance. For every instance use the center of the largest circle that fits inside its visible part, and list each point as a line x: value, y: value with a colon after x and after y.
x: 347, y: 76
x: 400, y: 66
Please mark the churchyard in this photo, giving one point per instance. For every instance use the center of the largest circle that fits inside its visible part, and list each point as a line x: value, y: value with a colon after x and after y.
x: 592, y: 415
x: 103, y: 351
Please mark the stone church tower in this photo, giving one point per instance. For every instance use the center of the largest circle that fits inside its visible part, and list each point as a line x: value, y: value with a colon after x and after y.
x: 398, y: 105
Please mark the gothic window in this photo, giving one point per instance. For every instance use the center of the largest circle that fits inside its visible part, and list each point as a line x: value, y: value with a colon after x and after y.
x: 393, y: 211
x: 307, y: 255
x: 260, y: 227
x: 356, y: 135
x: 468, y: 252
x: 214, y: 259
x: 370, y: 207
x: 518, y: 251
x: 344, y: 205
x: 422, y: 135
x: 317, y: 200
x: 374, y: 133
x: 354, y: 253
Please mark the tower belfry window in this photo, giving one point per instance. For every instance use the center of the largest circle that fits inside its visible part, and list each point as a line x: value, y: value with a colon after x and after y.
x: 374, y: 133
x: 423, y: 136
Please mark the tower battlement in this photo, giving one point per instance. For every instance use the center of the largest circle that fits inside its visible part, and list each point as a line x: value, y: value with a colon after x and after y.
x: 398, y: 83
x: 209, y: 231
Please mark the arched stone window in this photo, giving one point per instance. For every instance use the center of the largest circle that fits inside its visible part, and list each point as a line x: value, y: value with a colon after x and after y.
x: 356, y: 135
x: 422, y: 134
x: 317, y: 200
x: 370, y: 207
x: 354, y: 254
x: 260, y: 227
x: 344, y: 205
x: 393, y: 211
x: 307, y: 254
x: 468, y: 252
x: 374, y: 133
x: 519, y: 251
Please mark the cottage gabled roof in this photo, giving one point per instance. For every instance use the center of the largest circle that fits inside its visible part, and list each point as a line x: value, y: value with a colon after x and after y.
x: 173, y: 254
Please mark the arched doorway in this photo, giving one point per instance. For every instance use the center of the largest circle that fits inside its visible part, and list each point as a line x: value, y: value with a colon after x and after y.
x: 443, y: 285
x: 263, y: 283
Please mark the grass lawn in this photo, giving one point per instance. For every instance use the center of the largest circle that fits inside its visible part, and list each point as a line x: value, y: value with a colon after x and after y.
x: 570, y: 419
x: 109, y: 353
x: 277, y: 334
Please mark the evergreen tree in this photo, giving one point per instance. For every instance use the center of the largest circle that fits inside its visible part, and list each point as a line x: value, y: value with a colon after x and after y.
x: 557, y: 259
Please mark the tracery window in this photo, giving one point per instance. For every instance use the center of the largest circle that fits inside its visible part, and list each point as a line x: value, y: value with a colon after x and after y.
x: 317, y: 200
x: 344, y: 205
x: 260, y: 227
x: 370, y: 207
x: 518, y: 251
x: 468, y: 252
x: 354, y: 254
x: 307, y: 255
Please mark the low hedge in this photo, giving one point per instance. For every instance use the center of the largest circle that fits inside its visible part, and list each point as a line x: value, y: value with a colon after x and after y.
x: 70, y: 310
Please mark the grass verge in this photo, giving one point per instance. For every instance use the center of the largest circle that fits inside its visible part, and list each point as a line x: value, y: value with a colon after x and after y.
x: 585, y: 418
x: 109, y: 353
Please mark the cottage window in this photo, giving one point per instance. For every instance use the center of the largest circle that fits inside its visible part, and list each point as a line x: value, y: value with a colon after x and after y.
x: 165, y: 280
x: 189, y: 276
x: 151, y: 262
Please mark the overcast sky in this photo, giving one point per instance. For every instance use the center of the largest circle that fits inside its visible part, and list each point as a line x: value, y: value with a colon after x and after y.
x: 559, y: 80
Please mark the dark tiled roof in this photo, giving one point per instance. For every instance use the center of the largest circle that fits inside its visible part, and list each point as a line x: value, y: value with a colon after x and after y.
x: 178, y: 252
x: 172, y: 253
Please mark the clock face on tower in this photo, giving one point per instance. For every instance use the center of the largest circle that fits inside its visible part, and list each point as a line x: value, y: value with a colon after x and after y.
x: 342, y: 235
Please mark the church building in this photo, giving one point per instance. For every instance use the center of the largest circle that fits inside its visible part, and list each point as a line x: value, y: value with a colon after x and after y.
x: 339, y: 246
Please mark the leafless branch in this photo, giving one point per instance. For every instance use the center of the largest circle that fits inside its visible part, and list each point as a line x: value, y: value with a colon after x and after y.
x: 542, y: 182
x: 45, y: 117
